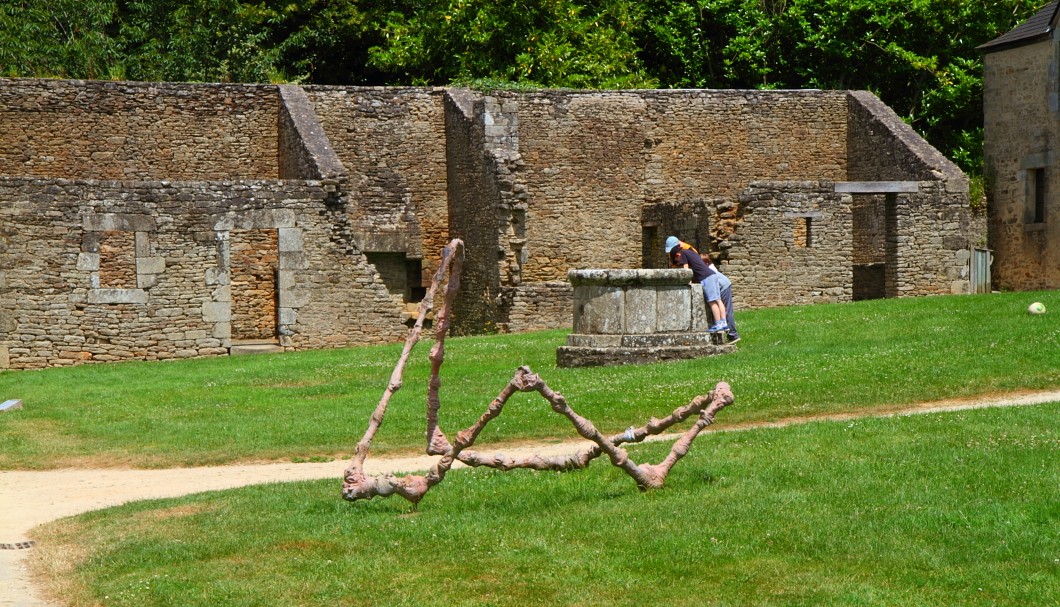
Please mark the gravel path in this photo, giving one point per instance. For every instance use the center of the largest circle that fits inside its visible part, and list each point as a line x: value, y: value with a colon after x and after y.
x: 28, y: 499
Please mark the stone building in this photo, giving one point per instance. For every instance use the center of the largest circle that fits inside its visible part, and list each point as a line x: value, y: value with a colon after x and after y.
x: 1021, y: 123
x: 158, y: 220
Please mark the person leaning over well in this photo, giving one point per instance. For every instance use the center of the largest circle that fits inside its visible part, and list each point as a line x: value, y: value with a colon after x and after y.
x: 717, y: 288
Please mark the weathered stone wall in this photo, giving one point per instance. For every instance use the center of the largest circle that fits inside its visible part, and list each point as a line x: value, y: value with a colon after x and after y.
x: 473, y: 208
x: 541, y: 305
x: 305, y: 151
x: 1020, y: 133
x: 132, y: 130
x: 594, y: 159
x: 536, y: 184
x: 392, y: 143
x: 57, y: 309
x: 930, y: 261
x: 770, y: 266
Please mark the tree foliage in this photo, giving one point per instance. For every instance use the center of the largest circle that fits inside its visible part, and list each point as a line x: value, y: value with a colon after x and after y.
x: 919, y: 56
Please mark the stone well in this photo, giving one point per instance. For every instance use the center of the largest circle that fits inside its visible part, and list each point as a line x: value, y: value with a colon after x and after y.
x: 636, y: 316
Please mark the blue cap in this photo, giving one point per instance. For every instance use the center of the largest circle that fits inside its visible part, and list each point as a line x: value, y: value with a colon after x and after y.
x: 671, y: 242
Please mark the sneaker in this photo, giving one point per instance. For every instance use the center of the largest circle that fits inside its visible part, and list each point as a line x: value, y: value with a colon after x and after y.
x: 718, y: 327
x: 733, y: 340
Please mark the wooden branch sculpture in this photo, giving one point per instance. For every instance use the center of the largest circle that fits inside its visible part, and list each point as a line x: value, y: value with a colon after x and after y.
x: 357, y: 485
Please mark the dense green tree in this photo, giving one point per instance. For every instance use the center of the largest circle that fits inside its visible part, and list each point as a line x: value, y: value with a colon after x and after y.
x: 57, y: 38
x: 919, y: 56
x: 557, y: 43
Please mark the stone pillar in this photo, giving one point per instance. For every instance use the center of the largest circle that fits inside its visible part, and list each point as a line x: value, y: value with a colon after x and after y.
x: 636, y: 316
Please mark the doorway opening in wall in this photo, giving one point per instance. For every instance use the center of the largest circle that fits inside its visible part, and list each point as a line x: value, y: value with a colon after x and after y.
x: 870, y: 246
x: 254, y: 270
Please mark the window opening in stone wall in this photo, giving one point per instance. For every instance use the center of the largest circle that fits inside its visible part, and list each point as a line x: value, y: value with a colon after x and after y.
x: 393, y: 268
x: 1038, y: 211
x: 414, y: 279
x: 254, y: 256
x: 117, y: 260
x: 804, y: 232
x: 651, y: 246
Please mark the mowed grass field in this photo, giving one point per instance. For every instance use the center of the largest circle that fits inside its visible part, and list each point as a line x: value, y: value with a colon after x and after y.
x: 792, y: 362
x: 950, y: 509
x: 958, y: 508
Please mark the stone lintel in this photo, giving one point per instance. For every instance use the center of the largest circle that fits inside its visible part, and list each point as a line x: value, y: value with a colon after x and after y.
x: 113, y: 222
x: 382, y: 241
x: 877, y: 187
x: 117, y: 296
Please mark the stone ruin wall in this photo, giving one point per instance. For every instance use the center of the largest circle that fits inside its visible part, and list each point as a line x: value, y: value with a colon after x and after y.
x: 799, y: 271
x: 139, y: 131
x: 539, y: 183
x: 595, y: 161
x: 925, y: 260
x: 392, y: 143
x: 58, y: 307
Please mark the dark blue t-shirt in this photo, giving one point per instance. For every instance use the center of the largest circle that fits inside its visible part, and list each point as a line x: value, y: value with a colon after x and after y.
x: 700, y: 270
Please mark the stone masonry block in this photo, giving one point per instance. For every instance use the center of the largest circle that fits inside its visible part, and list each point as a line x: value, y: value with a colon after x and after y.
x: 216, y: 276
x: 117, y: 296
x: 217, y: 311
x: 146, y: 281
x: 127, y: 222
x: 640, y: 310
x: 701, y: 319
x: 288, y: 316
x: 285, y: 279
x: 674, y: 305
x: 143, y: 244
x: 88, y: 262
x: 294, y: 298
x: 8, y: 322
x: 290, y: 239
x: 151, y: 265
x: 222, y: 330
x: 605, y: 310
x: 290, y: 260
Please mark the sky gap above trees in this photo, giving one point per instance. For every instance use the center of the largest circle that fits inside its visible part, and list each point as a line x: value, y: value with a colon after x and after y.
x: 918, y: 56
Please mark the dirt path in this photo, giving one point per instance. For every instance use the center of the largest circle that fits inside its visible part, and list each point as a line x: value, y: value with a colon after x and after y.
x: 28, y: 499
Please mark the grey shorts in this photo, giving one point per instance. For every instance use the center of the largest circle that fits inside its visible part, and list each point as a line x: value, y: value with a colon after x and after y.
x: 714, y: 284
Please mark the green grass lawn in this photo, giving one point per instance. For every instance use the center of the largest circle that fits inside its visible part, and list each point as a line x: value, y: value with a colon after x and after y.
x: 796, y: 361
x: 954, y: 509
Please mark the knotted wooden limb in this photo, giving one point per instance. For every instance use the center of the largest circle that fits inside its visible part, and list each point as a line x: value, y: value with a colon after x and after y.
x: 358, y: 485
x: 354, y: 474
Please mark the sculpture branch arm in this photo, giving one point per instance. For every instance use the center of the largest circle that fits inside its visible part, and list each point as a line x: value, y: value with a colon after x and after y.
x: 720, y: 398
x: 376, y: 420
x: 437, y: 443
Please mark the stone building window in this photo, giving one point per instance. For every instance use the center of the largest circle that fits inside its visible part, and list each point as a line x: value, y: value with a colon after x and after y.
x: 1036, y: 198
x: 117, y: 260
